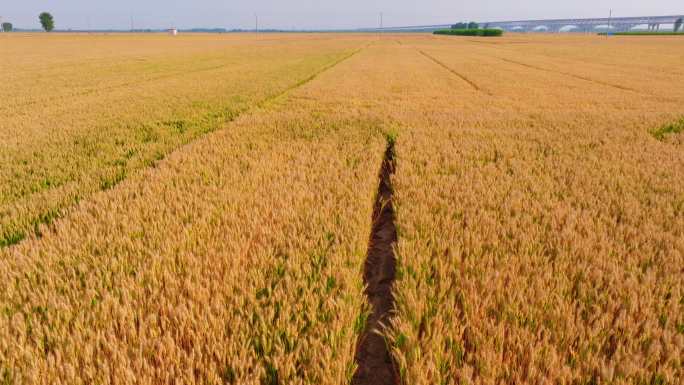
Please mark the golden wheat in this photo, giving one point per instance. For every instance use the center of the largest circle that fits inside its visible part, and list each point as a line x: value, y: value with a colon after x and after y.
x: 236, y: 260
x: 540, y: 221
x: 82, y: 112
x: 542, y: 225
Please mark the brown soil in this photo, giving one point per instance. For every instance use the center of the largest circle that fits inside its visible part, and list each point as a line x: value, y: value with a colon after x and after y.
x: 375, y: 363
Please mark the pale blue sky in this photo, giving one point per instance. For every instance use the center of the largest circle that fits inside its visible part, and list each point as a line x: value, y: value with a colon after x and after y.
x: 311, y: 14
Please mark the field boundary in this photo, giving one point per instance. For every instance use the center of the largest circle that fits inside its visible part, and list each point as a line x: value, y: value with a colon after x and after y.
x: 580, y: 77
x: 375, y: 362
x: 306, y: 80
x: 131, y: 84
x: 446, y: 67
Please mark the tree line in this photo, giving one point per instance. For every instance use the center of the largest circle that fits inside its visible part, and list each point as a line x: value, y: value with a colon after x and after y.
x: 47, y: 21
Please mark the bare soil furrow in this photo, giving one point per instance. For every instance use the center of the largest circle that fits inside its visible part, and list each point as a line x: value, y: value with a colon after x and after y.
x: 375, y: 363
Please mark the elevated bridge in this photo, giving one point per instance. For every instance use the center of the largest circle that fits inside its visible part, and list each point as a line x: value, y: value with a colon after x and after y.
x: 616, y: 24
x: 585, y: 25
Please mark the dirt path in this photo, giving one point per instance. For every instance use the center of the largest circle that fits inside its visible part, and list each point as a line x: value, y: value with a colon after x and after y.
x: 375, y: 363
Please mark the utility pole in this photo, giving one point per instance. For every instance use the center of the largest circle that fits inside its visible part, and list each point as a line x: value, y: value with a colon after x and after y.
x: 256, y: 23
x: 610, y: 23
x: 380, y: 31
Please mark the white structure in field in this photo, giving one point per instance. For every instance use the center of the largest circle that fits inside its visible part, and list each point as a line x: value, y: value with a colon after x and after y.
x: 173, y: 31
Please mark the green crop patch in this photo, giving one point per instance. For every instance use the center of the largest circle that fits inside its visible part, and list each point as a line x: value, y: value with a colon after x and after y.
x: 671, y: 129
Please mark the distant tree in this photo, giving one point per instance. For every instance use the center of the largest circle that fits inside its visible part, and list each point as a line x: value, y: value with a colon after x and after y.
x: 473, y: 25
x: 47, y: 21
x: 678, y: 24
x: 7, y: 27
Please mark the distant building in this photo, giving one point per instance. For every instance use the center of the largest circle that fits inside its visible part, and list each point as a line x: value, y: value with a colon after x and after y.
x: 173, y: 31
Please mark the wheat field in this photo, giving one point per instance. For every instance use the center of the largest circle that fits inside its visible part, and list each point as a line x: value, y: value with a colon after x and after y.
x: 82, y: 112
x: 197, y: 210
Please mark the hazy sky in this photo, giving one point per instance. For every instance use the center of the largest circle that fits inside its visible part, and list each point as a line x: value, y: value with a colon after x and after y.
x: 312, y: 14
